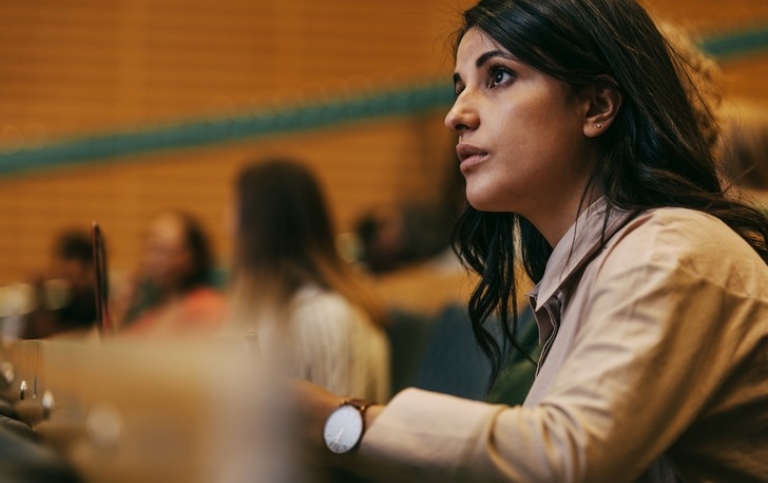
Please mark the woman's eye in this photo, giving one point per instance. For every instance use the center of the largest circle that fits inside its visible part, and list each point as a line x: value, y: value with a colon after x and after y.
x: 500, y: 75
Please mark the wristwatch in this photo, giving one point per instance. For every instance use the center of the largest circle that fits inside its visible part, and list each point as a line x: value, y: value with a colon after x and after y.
x: 345, y: 426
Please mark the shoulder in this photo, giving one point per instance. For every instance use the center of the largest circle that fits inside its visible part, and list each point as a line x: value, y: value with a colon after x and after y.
x: 313, y: 305
x: 320, y: 315
x: 685, y: 222
x: 664, y: 231
x: 204, y: 300
x: 204, y: 295
x: 312, y: 298
x: 682, y: 240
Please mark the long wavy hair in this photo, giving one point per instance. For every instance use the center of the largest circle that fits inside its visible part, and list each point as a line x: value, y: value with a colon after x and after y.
x: 654, y: 155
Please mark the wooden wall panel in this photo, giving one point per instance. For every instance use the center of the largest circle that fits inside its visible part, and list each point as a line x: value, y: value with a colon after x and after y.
x: 78, y: 67
x: 361, y: 167
x: 87, y: 65
x: 711, y: 16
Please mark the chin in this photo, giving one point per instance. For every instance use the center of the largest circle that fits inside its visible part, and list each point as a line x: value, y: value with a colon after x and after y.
x: 484, y: 204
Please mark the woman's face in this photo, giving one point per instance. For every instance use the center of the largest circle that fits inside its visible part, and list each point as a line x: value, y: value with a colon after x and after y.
x: 521, y: 142
x: 167, y: 260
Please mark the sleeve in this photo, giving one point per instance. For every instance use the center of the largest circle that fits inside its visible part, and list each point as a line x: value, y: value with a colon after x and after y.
x: 654, y: 347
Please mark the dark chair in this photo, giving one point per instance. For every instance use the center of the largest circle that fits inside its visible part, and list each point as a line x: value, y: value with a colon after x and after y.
x: 452, y: 362
x: 408, y: 333
x: 440, y: 354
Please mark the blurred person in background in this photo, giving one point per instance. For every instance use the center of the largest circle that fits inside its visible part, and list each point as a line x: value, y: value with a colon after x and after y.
x: 406, y: 248
x: 412, y: 231
x: 64, y: 297
x: 173, y: 292
x: 394, y: 237
x: 291, y: 289
x: 744, y: 151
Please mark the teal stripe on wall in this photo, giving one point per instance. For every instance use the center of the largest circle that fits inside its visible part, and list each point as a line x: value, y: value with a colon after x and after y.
x: 745, y: 42
x: 206, y: 131
x: 201, y: 132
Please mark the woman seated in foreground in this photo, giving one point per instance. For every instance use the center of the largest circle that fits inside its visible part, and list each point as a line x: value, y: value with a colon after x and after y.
x: 579, y: 140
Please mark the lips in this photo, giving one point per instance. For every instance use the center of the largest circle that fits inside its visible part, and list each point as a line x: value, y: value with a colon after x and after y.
x: 469, y: 152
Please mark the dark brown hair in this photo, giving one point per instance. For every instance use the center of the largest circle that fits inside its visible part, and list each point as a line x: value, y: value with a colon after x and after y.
x: 285, y: 237
x: 654, y: 155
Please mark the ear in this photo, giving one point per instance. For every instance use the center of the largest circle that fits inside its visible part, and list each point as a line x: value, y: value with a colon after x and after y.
x: 602, y: 102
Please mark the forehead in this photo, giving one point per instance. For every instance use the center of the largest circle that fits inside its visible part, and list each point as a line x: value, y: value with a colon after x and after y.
x: 167, y: 228
x: 474, y: 43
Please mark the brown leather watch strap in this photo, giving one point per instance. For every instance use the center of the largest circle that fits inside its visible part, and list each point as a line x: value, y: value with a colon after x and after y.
x: 360, y: 404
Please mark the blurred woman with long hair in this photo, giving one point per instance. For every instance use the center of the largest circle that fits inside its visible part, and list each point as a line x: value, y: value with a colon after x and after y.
x: 292, y: 290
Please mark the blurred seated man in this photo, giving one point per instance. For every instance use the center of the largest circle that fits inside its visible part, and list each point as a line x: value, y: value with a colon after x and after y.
x: 399, y: 236
x: 65, y: 300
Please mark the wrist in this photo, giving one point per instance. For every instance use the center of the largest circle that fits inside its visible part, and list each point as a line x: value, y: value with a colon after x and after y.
x: 345, y: 426
x: 372, y: 413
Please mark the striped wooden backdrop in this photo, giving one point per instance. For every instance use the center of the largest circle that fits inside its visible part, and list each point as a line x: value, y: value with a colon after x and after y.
x: 82, y: 67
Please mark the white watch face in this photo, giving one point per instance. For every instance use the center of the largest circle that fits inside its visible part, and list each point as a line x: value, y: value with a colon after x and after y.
x: 343, y: 429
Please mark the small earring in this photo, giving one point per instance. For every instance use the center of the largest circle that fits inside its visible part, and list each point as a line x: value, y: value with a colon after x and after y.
x: 599, y: 125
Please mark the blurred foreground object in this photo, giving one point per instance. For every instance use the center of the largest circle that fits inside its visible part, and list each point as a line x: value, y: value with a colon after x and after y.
x: 129, y: 412
x: 744, y: 150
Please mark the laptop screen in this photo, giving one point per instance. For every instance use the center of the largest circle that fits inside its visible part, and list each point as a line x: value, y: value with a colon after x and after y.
x: 101, y: 281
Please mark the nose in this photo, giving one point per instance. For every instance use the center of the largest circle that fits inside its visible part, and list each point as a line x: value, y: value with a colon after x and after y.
x: 463, y: 115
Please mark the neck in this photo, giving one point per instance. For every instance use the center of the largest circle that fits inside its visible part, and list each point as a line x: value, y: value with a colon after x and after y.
x: 554, y: 226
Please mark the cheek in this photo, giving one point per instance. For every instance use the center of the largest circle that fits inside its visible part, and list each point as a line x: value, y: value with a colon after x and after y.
x: 522, y: 168
x: 184, y: 263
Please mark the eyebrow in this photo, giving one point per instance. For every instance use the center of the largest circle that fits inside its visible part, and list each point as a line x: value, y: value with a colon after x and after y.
x: 489, y: 55
x: 485, y: 57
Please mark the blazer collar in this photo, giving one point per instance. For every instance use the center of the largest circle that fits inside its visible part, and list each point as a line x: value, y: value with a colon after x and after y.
x: 577, y: 247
